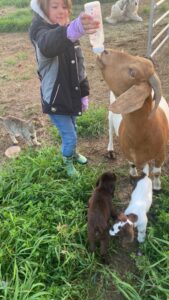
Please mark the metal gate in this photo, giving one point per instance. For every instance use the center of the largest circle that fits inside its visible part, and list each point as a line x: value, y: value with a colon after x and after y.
x: 163, y: 34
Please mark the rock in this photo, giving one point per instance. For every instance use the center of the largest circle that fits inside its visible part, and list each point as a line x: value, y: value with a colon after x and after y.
x: 12, y: 151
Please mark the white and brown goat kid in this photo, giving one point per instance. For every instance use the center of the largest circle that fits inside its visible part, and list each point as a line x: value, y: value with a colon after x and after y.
x: 140, y: 120
x: 135, y: 214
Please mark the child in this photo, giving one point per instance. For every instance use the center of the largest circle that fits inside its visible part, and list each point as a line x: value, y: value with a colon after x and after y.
x: 64, y: 84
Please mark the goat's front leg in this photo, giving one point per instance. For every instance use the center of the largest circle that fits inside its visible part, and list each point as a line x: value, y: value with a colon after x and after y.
x: 133, y: 170
x: 136, y: 18
x: 91, y: 239
x: 13, y: 138
x: 156, y: 178
x: 110, y: 147
x: 114, y: 124
x: 104, y: 242
x: 35, y: 141
x: 142, y: 230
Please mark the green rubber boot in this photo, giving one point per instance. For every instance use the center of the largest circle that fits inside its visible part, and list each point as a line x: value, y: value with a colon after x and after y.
x: 70, y: 169
x: 80, y: 158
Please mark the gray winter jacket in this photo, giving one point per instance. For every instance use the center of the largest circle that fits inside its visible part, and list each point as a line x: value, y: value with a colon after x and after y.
x: 60, y: 66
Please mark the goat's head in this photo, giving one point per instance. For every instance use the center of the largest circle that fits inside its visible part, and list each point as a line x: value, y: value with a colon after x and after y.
x: 124, y: 226
x: 107, y: 182
x: 133, y: 2
x: 130, y: 78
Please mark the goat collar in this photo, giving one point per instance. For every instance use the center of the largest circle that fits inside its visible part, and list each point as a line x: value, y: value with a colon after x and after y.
x: 117, y: 227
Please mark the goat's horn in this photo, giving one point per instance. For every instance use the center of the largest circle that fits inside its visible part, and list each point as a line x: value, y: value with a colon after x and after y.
x: 156, y: 85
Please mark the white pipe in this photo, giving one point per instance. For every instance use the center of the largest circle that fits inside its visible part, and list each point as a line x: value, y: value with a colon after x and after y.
x: 161, y: 18
x: 159, y: 2
x: 160, y: 33
x: 159, y: 46
x: 151, y: 40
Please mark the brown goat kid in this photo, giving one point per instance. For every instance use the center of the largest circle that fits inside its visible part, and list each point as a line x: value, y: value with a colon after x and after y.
x: 144, y: 126
x: 99, y: 213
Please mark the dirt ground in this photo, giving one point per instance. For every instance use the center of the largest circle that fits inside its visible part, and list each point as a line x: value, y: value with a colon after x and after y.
x: 19, y: 90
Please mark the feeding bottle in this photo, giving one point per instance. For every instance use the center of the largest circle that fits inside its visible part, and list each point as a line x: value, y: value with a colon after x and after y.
x: 97, y: 38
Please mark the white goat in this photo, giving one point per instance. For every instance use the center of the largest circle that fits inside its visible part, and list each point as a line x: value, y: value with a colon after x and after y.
x: 142, y: 127
x: 135, y: 214
x: 124, y: 10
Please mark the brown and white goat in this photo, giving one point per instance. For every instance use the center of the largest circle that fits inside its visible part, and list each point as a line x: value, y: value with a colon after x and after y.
x: 135, y: 215
x: 143, y: 127
x: 100, y: 211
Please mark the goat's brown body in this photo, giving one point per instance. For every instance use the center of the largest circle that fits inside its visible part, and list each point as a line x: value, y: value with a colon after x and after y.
x: 139, y: 143
x: 99, y: 213
x: 144, y: 129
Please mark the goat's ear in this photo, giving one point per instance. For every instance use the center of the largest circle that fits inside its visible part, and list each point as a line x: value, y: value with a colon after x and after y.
x: 131, y: 100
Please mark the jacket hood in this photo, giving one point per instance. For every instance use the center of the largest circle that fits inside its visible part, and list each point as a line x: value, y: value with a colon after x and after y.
x: 36, y: 8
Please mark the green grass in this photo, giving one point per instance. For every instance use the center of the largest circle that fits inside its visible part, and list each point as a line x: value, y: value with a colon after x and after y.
x: 43, y: 237
x: 10, y: 62
x: 24, y: 3
x: 93, y: 123
x: 18, y: 21
x: 43, y: 227
x: 44, y: 254
x: 16, y: 3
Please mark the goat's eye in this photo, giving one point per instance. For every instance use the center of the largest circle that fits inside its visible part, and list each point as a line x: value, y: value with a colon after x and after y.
x: 119, y: 227
x: 132, y: 72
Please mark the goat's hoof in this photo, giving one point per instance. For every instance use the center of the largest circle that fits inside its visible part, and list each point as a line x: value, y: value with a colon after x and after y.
x: 157, y: 192
x: 132, y: 179
x: 162, y: 191
x: 105, y: 260
x: 139, y: 252
x: 111, y: 155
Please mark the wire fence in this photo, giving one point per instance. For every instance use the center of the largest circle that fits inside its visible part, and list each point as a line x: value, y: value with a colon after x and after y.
x: 155, y: 43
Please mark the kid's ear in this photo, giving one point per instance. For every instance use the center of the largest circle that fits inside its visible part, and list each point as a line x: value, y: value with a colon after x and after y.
x: 132, y: 217
x: 122, y: 217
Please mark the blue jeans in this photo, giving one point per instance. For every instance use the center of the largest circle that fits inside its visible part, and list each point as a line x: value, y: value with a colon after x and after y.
x: 67, y: 129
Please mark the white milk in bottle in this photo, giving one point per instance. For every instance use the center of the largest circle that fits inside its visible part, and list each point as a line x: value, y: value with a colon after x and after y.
x: 96, y: 39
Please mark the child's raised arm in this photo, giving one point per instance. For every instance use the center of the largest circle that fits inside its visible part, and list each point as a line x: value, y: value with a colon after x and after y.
x: 84, y: 24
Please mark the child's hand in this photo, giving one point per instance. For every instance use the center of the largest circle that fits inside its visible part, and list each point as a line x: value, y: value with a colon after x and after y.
x: 80, y: 26
x: 88, y: 23
x: 85, y: 103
